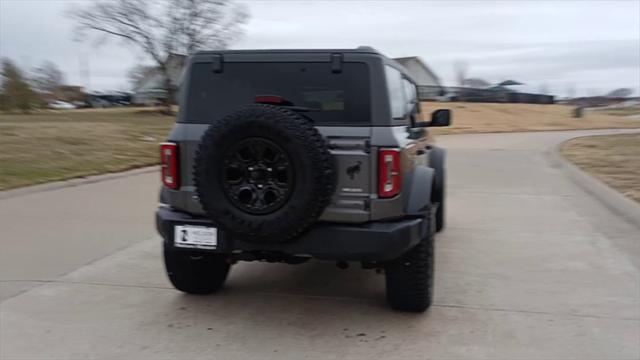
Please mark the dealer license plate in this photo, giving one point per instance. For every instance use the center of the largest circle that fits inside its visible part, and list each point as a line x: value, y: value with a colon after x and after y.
x: 198, y: 237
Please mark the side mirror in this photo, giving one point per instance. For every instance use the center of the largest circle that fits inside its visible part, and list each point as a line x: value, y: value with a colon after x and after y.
x: 441, y: 117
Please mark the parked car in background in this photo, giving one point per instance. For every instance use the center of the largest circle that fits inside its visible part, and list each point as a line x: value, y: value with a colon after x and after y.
x: 61, y: 105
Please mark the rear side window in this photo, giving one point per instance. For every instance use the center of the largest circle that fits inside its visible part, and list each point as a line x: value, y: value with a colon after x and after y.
x: 334, y: 98
x: 396, y: 90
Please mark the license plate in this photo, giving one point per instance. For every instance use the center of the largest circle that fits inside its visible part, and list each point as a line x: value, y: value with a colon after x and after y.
x: 198, y: 237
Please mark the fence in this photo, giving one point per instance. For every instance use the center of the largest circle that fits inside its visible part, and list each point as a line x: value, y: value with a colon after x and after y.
x: 433, y: 93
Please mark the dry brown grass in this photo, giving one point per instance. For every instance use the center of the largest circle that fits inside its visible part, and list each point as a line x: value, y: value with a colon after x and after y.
x: 482, y: 118
x: 614, y: 159
x: 56, y: 145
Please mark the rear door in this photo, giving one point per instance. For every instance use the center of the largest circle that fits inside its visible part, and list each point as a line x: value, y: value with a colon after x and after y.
x: 338, y: 104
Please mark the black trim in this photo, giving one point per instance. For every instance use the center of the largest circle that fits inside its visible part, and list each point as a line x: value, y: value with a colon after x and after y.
x: 379, y: 241
x: 216, y: 63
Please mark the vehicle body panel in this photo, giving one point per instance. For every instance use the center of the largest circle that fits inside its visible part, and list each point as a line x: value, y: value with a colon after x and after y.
x: 354, y: 146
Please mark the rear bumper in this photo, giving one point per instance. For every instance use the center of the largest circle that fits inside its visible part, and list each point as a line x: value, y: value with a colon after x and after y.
x: 379, y: 241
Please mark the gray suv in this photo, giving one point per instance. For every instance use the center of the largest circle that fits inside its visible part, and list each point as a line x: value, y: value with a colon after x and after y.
x: 289, y: 155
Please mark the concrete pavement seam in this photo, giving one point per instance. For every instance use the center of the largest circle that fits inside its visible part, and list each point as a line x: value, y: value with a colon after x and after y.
x: 78, y: 181
x: 88, y: 283
x: 453, y: 306
x: 88, y: 263
x: 534, y: 312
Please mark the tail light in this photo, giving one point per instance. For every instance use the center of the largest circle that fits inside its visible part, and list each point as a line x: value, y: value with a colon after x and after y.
x: 269, y: 99
x: 169, y: 165
x: 272, y: 100
x: 389, y: 179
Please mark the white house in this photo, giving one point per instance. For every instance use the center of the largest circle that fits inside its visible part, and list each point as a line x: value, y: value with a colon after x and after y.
x: 429, y: 86
x: 151, y: 89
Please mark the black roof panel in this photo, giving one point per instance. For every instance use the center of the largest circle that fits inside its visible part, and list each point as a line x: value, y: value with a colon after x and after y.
x: 358, y: 50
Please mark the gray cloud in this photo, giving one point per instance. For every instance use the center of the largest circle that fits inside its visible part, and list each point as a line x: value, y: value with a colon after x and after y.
x: 594, y: 45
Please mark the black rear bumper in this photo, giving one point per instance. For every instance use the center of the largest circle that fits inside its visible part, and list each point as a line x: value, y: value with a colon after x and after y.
x: 379, y: 241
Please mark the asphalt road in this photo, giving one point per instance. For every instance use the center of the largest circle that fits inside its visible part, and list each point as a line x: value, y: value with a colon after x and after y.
x: 530, y: 267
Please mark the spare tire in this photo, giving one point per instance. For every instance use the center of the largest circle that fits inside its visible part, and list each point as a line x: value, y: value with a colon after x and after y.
x: 264, y: 173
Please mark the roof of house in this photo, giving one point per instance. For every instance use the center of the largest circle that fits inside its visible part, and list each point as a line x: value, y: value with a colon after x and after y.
x: 476, y: 83
x: 405, y: 60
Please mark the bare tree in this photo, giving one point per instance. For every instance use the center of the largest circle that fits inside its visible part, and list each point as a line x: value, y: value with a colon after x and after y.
x: 571, y: 90
x: 461, y: 69
x: 162, y: 28
x: 47, y: 77
x: 138, y: 73
x: 15, y: 91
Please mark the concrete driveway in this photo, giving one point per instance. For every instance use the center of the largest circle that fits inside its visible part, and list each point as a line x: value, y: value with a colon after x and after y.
x: 530, y: 267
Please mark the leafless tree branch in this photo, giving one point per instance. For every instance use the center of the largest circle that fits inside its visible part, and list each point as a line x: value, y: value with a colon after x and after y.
x: 163, y: 27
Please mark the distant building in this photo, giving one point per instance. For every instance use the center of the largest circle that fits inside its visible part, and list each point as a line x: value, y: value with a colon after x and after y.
x: 429, y: 85
x: 151, y: 89
x: 69, y: 93
x: 475, y: 83
x: 419, y: 71
x: 104, y: 99
x: 66, y: 93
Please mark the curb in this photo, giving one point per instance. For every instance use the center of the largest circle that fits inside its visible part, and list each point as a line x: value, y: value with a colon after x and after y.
x: 611, y: 198
x: 7, y: 194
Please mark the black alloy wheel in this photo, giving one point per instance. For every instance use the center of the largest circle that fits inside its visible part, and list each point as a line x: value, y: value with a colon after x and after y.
x: 257, y: 176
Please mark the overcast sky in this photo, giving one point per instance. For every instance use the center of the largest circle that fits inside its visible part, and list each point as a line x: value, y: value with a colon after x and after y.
x: 587, y: 45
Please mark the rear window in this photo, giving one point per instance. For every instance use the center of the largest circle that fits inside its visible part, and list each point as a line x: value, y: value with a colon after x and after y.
x: 335, y: 98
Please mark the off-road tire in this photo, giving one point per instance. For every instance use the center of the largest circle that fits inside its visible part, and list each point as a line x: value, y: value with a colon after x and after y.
x: 312, y: 165
x: 196, y: 272
x: 410, y: 278
x: 440, y: 198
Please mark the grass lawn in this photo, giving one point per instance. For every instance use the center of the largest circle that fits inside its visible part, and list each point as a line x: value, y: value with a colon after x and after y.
x: 482, y: 118
x: 614, y: 159
x: 55, y: 145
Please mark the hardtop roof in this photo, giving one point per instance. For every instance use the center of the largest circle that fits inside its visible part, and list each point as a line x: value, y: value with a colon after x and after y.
x: 358, y: 50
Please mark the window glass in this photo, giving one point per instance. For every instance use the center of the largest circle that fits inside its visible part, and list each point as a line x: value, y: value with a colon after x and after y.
x: 331, y: 97
x: 410, y: 91
x: 410, y: 95
x: 395, y: 88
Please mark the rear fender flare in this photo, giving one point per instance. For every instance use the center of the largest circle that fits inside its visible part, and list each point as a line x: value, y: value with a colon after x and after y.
x: 420, y: 190
x: 437, y: 157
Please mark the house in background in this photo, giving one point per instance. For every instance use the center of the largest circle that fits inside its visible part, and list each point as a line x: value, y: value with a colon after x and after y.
x: 69, y: 93
x: 151, y: 89
x: 429, y: 85
x: 105, y: 99
x: 65, y: 93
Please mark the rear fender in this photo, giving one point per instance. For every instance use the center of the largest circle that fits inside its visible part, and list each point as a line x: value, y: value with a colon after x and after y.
x: 420, y: 191
x: 437, y: 162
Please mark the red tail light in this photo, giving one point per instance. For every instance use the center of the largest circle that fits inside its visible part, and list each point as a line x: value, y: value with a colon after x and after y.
x: 269, y: 99
x: 389, y: 179
x: 169, y: 165
x: 272, y: 100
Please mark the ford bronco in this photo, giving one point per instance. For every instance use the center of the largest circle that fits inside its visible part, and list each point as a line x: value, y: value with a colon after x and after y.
x: 291, y: 155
